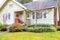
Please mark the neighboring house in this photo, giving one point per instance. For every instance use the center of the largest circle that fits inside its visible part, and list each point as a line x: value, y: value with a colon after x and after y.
x: 43, y: 12
x: 9, y: 9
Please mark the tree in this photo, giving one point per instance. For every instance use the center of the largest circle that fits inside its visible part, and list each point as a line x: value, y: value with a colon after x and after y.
x: 24, y: 1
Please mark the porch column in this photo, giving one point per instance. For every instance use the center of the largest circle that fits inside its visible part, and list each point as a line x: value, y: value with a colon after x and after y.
x: 28, y: 18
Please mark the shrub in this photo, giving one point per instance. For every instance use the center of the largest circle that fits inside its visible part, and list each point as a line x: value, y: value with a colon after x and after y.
x: 48, y: 29
x: 44, y: 25
x: 3, y: 27
x: 58, y: 28
x: 16, y: 27
x: 29, y: 29
x: 41, y: 29
x: 41, y: 25
x: 0, y: 25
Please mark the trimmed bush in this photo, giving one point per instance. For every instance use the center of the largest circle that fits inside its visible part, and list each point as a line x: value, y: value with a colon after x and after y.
x: 44, y: 25
x: 29, y: 29
x: 41, y: 25
x: 42, y: 29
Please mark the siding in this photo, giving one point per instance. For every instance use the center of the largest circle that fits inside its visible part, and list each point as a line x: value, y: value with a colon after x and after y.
x: 48, y: 20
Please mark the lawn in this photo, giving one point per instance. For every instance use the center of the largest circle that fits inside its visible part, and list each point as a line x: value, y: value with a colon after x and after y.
x: 30, y: 36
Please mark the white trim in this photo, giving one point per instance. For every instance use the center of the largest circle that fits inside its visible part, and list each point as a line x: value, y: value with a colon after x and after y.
x: 19, y: 4
x: 15, y: 2
x: 2, y: 3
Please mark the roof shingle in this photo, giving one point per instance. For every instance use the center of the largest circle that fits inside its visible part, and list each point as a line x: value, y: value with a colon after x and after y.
x: 37, y: 5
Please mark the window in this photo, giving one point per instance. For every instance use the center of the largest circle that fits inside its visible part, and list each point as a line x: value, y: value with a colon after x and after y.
x: 44, y: 15
x: 27, y: 15
x: 10, y: 5
x: 33, y: 15
x: 38, y: 15
x: 41, y: 14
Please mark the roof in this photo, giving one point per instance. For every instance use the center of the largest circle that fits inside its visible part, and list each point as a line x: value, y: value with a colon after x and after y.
x: 13, y: 1
x: 37, y: 5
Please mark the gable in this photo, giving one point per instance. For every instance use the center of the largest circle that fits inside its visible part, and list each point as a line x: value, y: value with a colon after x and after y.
x: 9, y: 9
x: 11, y: 5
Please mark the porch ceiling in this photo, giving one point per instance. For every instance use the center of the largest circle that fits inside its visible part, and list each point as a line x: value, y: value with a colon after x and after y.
x: 19, y: 12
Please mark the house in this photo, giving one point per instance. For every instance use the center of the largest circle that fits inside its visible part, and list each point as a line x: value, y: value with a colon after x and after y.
x: 43, y: 12
x: 36, y: 12
x: 8, y: 11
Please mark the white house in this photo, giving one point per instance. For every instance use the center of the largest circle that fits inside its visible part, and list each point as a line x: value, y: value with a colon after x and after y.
x: 39, y: 12
x: 43, y: 12
x: 9, y: 9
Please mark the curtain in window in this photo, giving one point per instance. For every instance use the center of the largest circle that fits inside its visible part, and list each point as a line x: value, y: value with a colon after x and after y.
x: 33, y: 15
x: 39, y: 15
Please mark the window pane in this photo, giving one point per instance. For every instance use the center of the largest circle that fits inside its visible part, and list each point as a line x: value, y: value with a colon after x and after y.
x: 10, y: 5
x: 33, y: 15
x: 39, y: 15
x: 45, y: 13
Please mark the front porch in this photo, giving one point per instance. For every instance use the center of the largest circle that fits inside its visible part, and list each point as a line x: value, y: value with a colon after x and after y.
x: 21, y: 14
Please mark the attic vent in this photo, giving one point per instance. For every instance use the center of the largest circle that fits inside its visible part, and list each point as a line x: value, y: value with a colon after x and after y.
x: 10, y: 5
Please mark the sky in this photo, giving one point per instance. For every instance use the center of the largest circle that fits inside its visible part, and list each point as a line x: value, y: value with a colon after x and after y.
x: 1, y: 1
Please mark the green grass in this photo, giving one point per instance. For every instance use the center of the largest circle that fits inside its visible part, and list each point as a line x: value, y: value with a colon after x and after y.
x: 30, y: 36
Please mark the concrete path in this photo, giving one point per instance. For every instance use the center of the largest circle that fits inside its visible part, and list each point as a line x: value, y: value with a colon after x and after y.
x: 3, y: 32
